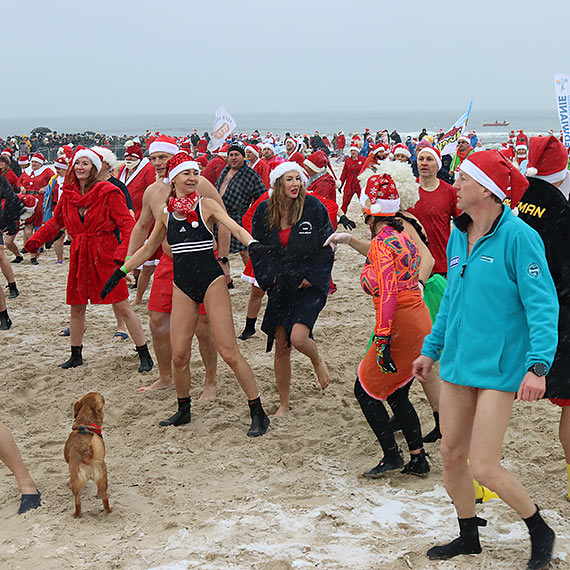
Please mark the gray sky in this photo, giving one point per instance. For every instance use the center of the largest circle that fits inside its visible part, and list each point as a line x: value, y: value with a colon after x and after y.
x: 176, y: 56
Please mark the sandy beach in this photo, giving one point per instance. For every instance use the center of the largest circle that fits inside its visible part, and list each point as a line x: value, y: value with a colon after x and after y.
x: 204, y: 495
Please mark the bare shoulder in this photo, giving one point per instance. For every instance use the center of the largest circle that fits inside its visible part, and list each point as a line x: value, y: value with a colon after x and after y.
x: 156, y: 195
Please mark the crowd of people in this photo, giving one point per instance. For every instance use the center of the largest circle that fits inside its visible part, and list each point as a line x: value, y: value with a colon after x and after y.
x: 457, y: 242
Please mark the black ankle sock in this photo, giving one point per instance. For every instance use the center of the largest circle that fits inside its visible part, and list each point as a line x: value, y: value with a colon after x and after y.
x: 184, y: 403
x: 254, y: 402
x: 143, y: 349
x: 250, y: 323
x: 542, y: 541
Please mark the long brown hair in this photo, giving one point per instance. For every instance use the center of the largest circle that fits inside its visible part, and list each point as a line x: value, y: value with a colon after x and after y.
x: 279, y: 211
x: 71, y: 178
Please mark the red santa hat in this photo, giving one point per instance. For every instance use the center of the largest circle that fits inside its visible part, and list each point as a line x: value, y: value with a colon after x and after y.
x: 163, y: 143
x: 38, y: 157
x: 507, y: 151
x: 434, y: 152
x: 354, y: 146
x: 380, y: 147
x: 66, y: 150
x: 318, y: 163
x: 522, y: 141
x: 380, y: 196
x: 29, y: 202
x: 202, y: 160
x: 202, y: 146
x: 179, y: 162
x: 284, y: 167
x: 88, y: 153
x: 295, y: 143
x: 24, y: 160
x: 548, y: 160
x: 61, y: 162
x: 8, y: 152
x: 497, y: 174
x: 253, y: 148
x: 224, y: 150
x: 401, y: 148
x: 133, y: 148
x: 268, y: 145
x: 464, y: 138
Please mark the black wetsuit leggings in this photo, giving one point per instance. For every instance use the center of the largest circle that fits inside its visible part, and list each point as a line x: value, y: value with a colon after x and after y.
x: 377, y: 417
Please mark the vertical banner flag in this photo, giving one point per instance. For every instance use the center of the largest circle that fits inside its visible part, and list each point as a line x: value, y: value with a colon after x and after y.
x: 223, y: 126
x: 448, y: 142
x: 562, y: 88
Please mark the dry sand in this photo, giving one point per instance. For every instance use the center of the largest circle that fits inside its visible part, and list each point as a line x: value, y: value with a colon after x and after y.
x: 204, y: 495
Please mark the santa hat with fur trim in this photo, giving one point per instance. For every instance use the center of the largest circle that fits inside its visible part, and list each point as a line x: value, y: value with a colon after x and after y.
x: 8, y: 152
x: 380, y: 147
x: 107, y: 154
x: 497, y: 174
x: 282, y: 169
x: 434, y: 152
x: 90, y: 154
x: 29, y: 202
x: 38, y: 157
x: 61, y: 162
x: 66, y: 150
x: 354, y: 146
x: 254, y: 149
x: 464, y: 138
x: 24, y: 160
x: 163, y: 143
x: 318, y: 163
x: 268, y: 145
x: 401, y: 148
x: 179, y: 162
x: 380, y: 196
x: 295, y: 144
x: 202, y: 160
x: 548, y: 161
x: 134, y: 149
x: 224, y: 150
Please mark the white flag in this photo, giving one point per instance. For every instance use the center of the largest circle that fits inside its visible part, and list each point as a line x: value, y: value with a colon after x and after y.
x: 562, y: 87
x: 448, y: 142
x: 223, y: 126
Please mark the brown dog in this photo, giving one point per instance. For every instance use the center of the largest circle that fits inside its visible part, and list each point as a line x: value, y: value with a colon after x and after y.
x: 85, y: 451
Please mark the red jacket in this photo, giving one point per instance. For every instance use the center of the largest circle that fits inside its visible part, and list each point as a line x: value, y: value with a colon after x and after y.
x: 34, y: 180
x: 324, y: 186
x: 143, y: 176
x: 94, y: 253
x: 12, y: 179
x: 297, y: 157
x: 214, y: 169
x: 340, y: 141
x: 350, y: 172
x: 262, y: 168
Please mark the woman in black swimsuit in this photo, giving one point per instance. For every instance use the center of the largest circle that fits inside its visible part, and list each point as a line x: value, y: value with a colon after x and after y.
x: 187, y: 223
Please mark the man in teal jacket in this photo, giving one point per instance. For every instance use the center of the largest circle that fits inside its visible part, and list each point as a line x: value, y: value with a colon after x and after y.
x: 495, y: 336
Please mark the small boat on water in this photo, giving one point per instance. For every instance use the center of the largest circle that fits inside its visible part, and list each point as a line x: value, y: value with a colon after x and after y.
x: 497, y: 124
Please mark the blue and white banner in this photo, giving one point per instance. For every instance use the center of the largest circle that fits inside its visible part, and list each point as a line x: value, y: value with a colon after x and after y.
x: 562, y: 88
x: 448, y: 142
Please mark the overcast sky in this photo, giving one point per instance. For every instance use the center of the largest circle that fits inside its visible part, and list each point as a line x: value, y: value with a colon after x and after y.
x: 69, y: 58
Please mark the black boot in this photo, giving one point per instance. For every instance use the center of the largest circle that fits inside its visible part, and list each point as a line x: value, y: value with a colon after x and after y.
x: 76, y: 358
x: 391, y: 461
x: 17, y: 259
x: 417, y: 465
x: 181, y: 417
x: 259, y: 420
x: 5, y: 322
x: 13, y: 290
x: 435, y: 433
x: 145, y: 358
x: 249, y: 329
x: 542, y: 541
x: 466, y: 543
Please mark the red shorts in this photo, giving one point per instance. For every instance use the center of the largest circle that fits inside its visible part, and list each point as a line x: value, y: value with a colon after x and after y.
x: 160, y: 299
x: 563, y: 403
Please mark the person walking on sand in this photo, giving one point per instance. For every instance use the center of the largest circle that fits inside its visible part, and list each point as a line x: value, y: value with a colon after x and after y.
x: 187, y: 223
x: 292, y: 266
x: 495, y: 335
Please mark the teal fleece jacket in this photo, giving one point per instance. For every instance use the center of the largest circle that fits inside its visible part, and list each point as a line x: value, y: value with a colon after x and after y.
x: 499, y: 312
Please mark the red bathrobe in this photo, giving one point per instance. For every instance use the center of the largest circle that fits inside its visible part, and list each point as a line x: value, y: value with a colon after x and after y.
x: 94, y: 252
x: 296, y: 157
x: 143, y: 176
x: 324, y: 186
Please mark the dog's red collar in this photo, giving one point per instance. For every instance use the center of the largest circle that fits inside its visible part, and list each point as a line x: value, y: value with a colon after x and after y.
x: 90, y: 428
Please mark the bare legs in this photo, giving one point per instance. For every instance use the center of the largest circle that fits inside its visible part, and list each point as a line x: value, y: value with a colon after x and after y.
x: 10, y: 456
x: 143, y: 281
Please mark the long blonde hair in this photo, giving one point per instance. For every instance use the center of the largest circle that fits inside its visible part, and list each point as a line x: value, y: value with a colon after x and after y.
x: 278, y: 211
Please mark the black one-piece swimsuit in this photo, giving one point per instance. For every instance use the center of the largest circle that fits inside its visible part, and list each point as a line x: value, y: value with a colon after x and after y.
x: 192, y: 244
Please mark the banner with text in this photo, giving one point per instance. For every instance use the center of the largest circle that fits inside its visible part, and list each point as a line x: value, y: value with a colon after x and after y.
x: 224, y: 124
x: 562, y: 88
x: 448, y: 142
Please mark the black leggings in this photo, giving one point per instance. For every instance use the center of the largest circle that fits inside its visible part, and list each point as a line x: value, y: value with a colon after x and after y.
x: 377, y: 417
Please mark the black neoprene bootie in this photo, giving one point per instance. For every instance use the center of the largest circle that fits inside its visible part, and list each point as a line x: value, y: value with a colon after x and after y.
x: 13, y: 290
x: 181, y: 417
x: 418, y: 464
x: 5, y: 322
x: 542, y: 541
x: 76, y: 358
x: 466, y: 543
x: 259, y: 420
x: 391, y: 461
x: 249, y: 329
x: 435, y: 433
x: 145, y: 358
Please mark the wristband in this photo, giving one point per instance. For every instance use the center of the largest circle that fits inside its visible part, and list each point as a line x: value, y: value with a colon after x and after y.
x: 124, y: 270
x: 251, y: 241
x: 128, y: 257
x: 223, y: 260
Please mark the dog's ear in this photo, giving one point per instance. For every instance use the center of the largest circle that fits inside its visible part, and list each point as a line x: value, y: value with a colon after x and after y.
x: 77, y: 407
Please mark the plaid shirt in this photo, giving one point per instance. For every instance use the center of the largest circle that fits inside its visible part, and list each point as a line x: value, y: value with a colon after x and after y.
x: 243, y: 189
